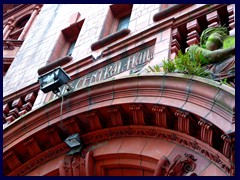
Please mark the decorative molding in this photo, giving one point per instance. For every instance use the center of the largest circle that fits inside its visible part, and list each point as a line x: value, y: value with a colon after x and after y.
x: 70, y: 126
x: 168, y: 11
x: 163, y: 116
x: 184, y: 121
x: 65, y: 166
x: 228, y: 147
x: 53, y: 135
x: 20, y: 10
x: 116, y: 116
x: 138, y: 114
x: 175, y: 44
x: 59, y: 62
x: 109, y: 39
x: 20, y: 93
x: 32, y: 147
x: 12, y: 160
x: 180, y: 166
x: 160, y: 133
x: 206, y: 131
x: 231, y: 19
x: 39, y: 160
x: 194, y: 30
x: 89, y: 166
x: 139, y: 131
x: 94, y: 120
x: 76, y: 165
x: 10, y: 44
x: 213, y: 19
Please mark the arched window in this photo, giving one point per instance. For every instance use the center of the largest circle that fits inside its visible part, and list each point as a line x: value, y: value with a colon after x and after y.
x: 19, y: 26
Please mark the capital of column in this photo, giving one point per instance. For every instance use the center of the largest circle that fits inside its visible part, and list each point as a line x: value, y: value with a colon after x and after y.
x: 10, y: 20
x: 37, y: 8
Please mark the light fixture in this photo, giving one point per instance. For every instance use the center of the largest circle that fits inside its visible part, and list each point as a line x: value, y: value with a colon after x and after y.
x: 52, y: 80
x: 74, y: 143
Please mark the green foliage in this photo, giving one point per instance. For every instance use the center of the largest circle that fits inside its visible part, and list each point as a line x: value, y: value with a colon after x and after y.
x: 169, y: 66
x: 224, y: 81
x: 181, y: 64
x: 185, y: 65
x: 155, y: 68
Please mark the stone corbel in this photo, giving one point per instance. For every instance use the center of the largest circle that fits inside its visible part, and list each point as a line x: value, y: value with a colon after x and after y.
x: 8, y: 45
x: 184, y: 121
x: 32, y: 147
x: 206, y: 131
x: 12, y: 160
x: 138, y: 114
x: 93, y: 120
x: 115, y: 115
x: 163, y: 116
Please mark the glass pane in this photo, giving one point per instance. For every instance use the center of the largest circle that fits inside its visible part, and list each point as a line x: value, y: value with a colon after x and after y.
x: 70, y: 50
x: 123, y: 23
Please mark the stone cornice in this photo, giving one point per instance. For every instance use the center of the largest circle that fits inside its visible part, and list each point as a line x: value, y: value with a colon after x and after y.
x: 18, y: 9
x: 20, y: 93
x: 168, y: 11
x: 9, y: 44
x: 162, y: 88
x: 14, y: 10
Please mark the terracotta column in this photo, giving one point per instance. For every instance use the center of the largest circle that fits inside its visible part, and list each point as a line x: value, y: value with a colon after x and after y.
x: 7, y: 29
x: 29, y: 23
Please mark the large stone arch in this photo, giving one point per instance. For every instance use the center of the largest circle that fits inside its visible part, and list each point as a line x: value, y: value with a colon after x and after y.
x: 162, y: 106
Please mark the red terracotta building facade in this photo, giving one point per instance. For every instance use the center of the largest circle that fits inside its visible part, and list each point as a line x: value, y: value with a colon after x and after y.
x: 130, y: 122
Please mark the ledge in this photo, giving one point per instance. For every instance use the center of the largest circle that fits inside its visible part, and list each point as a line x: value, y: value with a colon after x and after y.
x: 166, y: 12
x: 109, y: 39
x: 54, y: 64
x: 9, y: 44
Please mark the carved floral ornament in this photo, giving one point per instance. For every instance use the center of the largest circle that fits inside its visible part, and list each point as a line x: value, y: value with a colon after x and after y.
x: 182, y: 165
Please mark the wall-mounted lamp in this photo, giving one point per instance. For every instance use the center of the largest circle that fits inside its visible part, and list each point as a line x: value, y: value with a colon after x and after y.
x: 52, y: 80
x: 74, y: 143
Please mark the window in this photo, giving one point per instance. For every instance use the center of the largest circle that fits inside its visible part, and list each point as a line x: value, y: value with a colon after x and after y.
x: 66, y: 41
x: 19, y: 26
x: 70, y: 49
x: 118, y: 18
x: 123, y: 23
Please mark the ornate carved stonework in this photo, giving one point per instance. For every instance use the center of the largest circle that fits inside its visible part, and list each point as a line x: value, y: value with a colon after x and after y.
x: 32, y: 147
x: 163, y: 116
x: 181, y: 166
x: 138, y: 115
x: 206, y: 132
x: 65, y: 166
x: 12, y: 160
x: 39, y: 160
x: 116, y: 117
x: 162, y: 134
x: 11, y: 44
x: 184, y: 121
x: 94, y: 120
